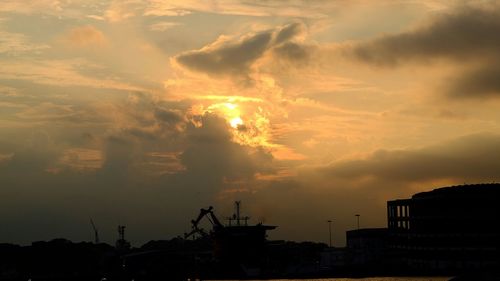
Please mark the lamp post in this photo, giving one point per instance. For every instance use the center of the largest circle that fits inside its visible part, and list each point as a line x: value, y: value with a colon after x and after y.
x: 330, y: 231
x: 357, y: 216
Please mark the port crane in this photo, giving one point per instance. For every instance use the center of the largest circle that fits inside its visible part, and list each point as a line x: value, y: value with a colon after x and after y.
x: 96, y: 233
x: 236, y: 241
x: 209, y: 214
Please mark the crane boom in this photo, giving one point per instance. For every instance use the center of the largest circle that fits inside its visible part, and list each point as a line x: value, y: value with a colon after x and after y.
x: 96, y: 233
x: 210, y: 216
x: 215, y: 220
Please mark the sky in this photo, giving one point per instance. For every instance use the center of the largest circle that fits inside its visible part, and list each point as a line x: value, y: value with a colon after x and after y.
x: 140, y: 113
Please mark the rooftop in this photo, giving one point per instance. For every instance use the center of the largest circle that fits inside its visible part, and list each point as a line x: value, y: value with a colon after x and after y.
x: 468, y: 190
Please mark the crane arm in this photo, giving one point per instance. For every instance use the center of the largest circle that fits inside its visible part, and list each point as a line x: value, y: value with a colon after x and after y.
x: 215, y: 220
x: 203, y: 213
x: 93, y: 225
x: 96, y: 233
x: 194, y: 231
x: 210, y: 216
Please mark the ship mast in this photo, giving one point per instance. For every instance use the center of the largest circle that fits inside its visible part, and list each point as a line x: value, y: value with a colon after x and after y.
x: 237, y: 216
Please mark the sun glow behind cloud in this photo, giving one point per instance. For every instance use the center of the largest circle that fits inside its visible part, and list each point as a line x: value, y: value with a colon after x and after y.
x: 229, y: 110
x: 248, y: 123
x: 153, y: 91
x: 235, y: 122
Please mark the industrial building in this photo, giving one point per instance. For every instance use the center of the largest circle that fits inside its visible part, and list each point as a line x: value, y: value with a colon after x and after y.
x: 367, y: 246
x: 447, y: 229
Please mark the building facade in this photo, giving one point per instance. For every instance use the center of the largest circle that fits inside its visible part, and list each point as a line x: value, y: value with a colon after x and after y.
x: 367, y: 246
x: 450, y: 228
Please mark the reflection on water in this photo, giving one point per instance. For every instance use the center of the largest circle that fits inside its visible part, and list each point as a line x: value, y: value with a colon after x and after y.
x: 365, y: 279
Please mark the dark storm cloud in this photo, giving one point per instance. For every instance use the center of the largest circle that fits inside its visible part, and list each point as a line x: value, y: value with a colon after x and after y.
x: 474, y: 157
x: 480, y: 82
x: 288, y: 32
x: 233, y: 58
x: 468, y: 36
x: 293, y: 52
x: 211, y: 157
x: 168, y: 116
x: 236, y: 58
x: 153, y: 119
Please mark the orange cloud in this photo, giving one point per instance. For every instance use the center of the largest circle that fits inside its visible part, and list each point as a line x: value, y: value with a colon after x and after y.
x: 85, y: 36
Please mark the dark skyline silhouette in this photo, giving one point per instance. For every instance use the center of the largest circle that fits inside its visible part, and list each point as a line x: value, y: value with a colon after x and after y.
x: 450, y: 231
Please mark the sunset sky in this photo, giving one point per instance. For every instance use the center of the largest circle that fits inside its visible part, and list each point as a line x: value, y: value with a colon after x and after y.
x: 142, y: 112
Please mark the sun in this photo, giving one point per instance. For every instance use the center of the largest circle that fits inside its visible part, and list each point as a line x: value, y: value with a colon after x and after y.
x: 231, y: 112
x: 235, y: 122
x: 256, y: 130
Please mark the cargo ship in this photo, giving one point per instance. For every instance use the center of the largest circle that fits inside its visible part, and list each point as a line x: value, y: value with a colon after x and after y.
x: 239, y: 249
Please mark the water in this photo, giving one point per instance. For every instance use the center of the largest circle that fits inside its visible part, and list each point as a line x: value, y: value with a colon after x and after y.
x: 363, y: 279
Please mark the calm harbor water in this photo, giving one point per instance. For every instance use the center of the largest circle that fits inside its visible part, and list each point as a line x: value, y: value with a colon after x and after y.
x: 365, y: 279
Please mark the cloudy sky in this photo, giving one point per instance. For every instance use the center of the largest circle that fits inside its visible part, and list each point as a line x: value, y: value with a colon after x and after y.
x: 142, y: 112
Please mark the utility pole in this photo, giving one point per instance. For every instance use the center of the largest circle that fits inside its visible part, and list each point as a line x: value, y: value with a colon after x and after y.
x: 330, y: 231
x: 237, y: 203
x: 357, y: 216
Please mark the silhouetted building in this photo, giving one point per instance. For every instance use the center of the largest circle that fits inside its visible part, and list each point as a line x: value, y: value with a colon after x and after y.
x: 447, y: 229
x: 367, y: 247
x: 333, y: 257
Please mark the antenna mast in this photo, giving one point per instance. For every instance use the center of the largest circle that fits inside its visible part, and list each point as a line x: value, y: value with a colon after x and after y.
x: 237, y: 216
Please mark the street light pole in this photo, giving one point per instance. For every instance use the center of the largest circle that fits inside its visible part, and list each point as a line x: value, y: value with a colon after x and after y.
x: 357, y: 216
x: 330, y: 231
